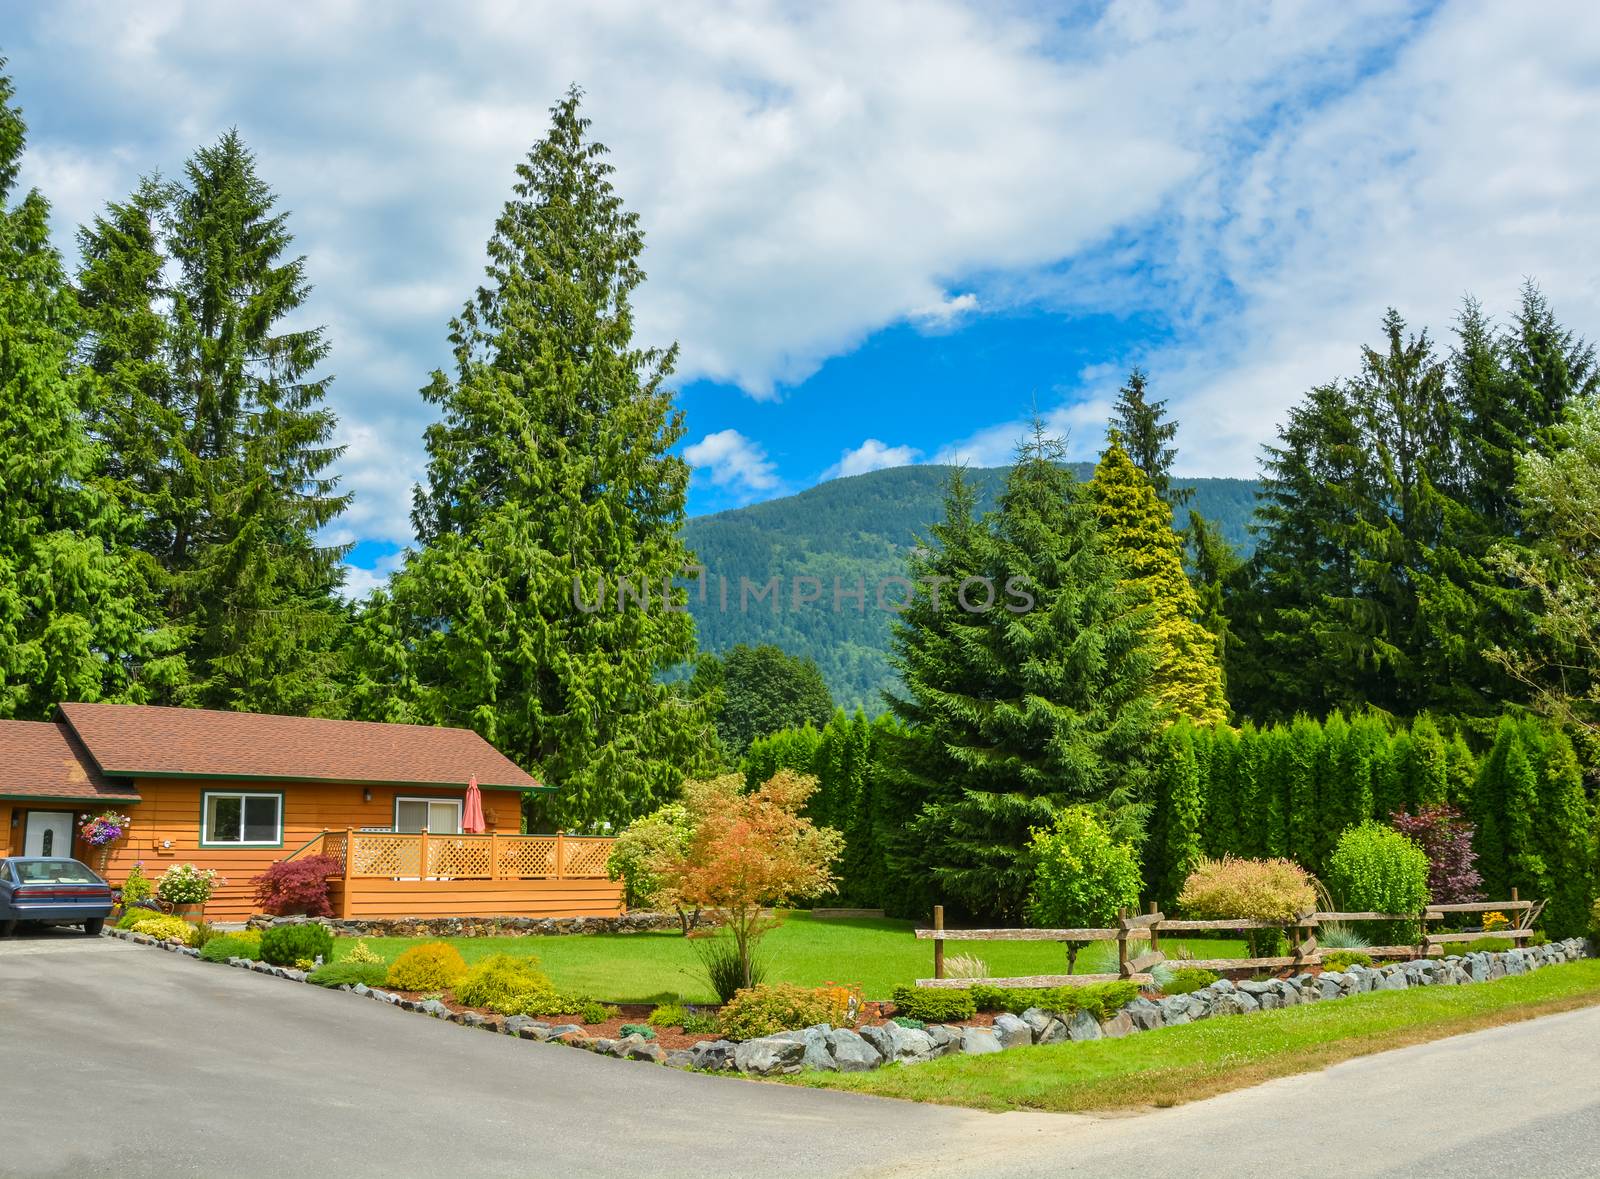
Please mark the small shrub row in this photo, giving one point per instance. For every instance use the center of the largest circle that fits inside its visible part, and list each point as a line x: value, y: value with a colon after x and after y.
x: 1478, y: 945
x: 164, y: 928
x: 1344, y: 959
x: 1099, y: 999
x: 131, y: 917
x: 933, y: 1005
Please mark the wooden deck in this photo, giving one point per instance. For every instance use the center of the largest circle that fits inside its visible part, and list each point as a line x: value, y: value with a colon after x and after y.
x: 390, y: 874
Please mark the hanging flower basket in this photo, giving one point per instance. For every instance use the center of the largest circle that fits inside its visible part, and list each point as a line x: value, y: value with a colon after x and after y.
x: 101, y: 832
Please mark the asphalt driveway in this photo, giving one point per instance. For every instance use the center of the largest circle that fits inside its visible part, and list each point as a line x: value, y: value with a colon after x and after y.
x: 117, y: 1059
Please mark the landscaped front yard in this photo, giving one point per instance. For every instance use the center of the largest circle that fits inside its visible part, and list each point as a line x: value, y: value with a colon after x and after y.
x: 878, y: 955
x: 1177, y: 1064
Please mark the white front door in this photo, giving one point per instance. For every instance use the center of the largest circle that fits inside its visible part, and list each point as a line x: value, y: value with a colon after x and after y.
x: 48, y: 833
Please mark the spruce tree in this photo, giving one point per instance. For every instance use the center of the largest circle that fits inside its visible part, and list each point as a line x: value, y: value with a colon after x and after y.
x: 77, y: 615
x: 1037, y: 703
x: 221, y: 431
x: 1138, y: 531
x: 1217, y: 573
x: 1147, y: 436
x: 540, y: 607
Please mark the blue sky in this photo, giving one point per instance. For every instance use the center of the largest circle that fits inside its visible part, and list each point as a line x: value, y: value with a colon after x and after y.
x: 880, y: 233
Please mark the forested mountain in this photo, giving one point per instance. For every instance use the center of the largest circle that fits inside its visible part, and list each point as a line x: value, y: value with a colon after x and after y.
x: 859, y: 529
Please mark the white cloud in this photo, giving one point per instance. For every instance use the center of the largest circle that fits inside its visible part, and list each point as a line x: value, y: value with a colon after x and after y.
x: 871, y: 455
x: 359, y: 581
x: 734, y: 462
x: 945, y: 314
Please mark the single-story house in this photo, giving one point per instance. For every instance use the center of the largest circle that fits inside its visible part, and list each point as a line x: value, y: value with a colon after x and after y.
x: 237, y: 791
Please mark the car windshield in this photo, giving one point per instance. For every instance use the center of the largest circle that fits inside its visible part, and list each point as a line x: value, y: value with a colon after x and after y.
x: 53, y: 872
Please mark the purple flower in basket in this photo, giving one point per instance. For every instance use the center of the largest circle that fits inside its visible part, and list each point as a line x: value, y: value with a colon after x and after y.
x: 103, y: 829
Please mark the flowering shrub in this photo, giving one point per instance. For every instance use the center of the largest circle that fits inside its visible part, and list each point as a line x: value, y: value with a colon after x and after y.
x: 184, y: 884
x: 137, y: 886
x: 844, y: 1003
x: 431, y: 966
x: 297, y: 886
x: 761, y: 1011
x: 1494, y: 919
x: 104, y: 828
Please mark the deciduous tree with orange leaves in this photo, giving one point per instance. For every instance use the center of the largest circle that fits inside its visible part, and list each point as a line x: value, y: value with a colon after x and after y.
x: 749, y: 852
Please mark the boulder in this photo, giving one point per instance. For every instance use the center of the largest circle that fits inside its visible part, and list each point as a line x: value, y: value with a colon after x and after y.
x: 946, y: 1038
x: 851, y: 1052
x: 1055, y: 1032
x: 1330, y: 984
x: 907, y: 1045
x: 563, y: 1029
x: 646, y: 1050
x: 1119, y: 1025
x: 768, y: 1056
x: 980, y: 1041
x: 1256, y: 988
x: 1010, y: 1031
x: 1037, y: 1020
x: 1394, y: 980
x: 1174, y: 1010
x: 1287, y: 992
x: 679, y: 1058
x: 1084, y: 1026
x: 1237, y: 1003
x: 711, y: 1056
x: 1146, y: 1016
x: 434, y: 1008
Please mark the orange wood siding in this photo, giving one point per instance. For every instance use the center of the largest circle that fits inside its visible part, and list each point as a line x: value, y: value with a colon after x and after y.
x: 170, y: 810
x: 483, y: 898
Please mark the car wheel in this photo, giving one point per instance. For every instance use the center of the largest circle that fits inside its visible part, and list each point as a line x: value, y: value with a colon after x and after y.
x: 94, y: 925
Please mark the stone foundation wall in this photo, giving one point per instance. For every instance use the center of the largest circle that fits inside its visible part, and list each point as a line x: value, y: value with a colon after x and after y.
x: 486, y: 926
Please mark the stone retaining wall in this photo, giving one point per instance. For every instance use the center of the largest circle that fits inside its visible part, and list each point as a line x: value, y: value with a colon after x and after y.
x: 833, y: 1049
x: 486, y: 926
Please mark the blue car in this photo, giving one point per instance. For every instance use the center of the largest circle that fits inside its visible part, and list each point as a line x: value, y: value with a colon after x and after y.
x: 52, y: 890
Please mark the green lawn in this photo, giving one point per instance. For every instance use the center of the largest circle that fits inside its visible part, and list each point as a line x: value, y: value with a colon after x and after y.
x: 877, y: 954
x: 1198, y: 1060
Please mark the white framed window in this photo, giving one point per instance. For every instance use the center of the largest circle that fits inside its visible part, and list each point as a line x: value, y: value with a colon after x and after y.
x: 242, y: 819
x: 441, y: 816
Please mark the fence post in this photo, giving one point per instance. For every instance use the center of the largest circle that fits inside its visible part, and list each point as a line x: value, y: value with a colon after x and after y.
x: 347, y: 885
x: 1122, y: 942
x: 938, y: 942
x: 561, y: 854
x: 1155, y: 934
x: 494, y: 855
x: 422, y: 855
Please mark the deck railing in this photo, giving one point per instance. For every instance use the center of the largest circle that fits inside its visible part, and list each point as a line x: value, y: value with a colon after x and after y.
x: 426, y: 856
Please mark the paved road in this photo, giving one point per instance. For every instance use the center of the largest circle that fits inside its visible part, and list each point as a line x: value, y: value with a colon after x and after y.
x: 119, y: 1060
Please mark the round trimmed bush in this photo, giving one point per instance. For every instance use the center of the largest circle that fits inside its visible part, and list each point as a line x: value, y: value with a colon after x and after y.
x: 432, y: 966
x: 284, y: 945
x: 506, y: 985
x: 1376, y: 869
x: 932, y: 1005
x: 778, y: 1007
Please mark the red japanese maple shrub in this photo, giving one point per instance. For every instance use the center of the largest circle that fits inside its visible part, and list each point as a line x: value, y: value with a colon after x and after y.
x: 1446, y: 837
x: 297, y: 886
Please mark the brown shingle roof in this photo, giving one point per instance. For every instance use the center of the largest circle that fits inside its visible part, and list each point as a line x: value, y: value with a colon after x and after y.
x: 130, y: 739
x: 40, y: 759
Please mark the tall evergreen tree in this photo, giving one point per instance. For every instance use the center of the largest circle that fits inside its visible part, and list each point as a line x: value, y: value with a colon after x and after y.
x: 1022, y: 712
x: 1147, y: 436
x: 221, y: 432
x: 77, y: 617
x: 1139, y: 535
x: 1216, y: 571
x: 539, y: 608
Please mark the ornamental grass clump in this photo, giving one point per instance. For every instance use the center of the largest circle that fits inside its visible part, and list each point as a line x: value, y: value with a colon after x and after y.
x: 246, y: 944
x: 348, y: 974
x: 432, y: 966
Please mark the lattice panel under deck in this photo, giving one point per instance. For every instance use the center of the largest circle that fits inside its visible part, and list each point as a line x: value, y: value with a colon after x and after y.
x: 587, y: 857
x: 527, y: 856
x: 386, y: 855
x: 458, y: 856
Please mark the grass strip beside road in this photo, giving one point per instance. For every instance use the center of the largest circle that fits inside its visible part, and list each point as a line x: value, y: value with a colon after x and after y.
x: 1193, y: 1061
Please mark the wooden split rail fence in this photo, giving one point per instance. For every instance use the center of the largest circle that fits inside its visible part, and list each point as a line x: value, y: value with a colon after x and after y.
x: 1130, y: 932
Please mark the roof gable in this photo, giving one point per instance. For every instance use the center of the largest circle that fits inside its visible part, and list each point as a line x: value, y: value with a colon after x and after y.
x: 158, y: 742
x: 41, y: 759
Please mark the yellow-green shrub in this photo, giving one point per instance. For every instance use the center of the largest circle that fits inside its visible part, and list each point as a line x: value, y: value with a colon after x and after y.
x: 504, y: 984
x: 361, y: 952
x: 432, y: 966
x: 166, y: 928
x: 776, y: 1007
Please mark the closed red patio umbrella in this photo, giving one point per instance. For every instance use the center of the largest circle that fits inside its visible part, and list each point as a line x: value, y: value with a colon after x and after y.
x: 472, y: 816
